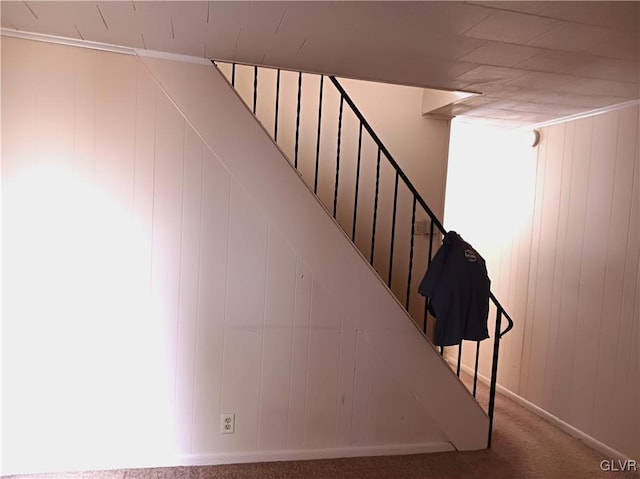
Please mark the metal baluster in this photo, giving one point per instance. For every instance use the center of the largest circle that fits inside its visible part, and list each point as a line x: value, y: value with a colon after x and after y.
x: 275, y: 130
x: 315, y: 180
x: 425, y: 315
x: 355, y: 200
x: 298, y: 119
x: 459, y: 358
x: 255, y: 89
x: 494, y: 371
x: 475, y: 373
x: 413, y: 230
x: 335, y: 191
x: 441, y: 350
x: 375, y: 207
x: 233, y: 74
x: 393, y: 230
x: 427, y: 300
x: 431, y: 242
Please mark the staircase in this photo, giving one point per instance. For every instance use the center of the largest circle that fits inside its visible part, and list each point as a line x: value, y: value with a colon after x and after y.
x: 343, y: 161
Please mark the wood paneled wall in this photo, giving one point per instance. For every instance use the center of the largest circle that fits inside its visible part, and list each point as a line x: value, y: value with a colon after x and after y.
x: 574, y: 351
x: 149, y: 287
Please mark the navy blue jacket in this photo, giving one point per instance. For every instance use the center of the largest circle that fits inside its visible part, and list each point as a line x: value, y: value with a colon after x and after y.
x: 457, y: 286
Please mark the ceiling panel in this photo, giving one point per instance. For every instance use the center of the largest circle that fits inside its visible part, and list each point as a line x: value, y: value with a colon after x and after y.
x: 447, y: 17
x: 623, y: 17
x: 294, y: 21
x: 441, y: 45
x: 123, y: 21
x: 501, y: 54
x: 525, y: 58
x: 553, y: 61
x: 487, y: 73
x: 56, y: 18
x: 512, y: 27
x: 618, y: 44
x: 610, y: 69
x: 380, y: 15
x: 570, y: 37
x: 515, y: 6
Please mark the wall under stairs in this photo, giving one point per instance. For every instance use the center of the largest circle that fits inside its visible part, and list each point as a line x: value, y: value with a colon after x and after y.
x: 163, y: 263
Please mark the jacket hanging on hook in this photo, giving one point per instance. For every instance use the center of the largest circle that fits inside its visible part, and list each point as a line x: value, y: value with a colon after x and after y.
x: 457, y: 287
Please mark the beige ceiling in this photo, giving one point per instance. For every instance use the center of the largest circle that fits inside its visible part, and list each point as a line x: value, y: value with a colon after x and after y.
x: 532, y: 61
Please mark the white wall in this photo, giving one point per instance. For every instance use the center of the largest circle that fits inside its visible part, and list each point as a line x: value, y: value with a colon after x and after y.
x: 567, y: 269
x: 162, y: 264
x: 419, y: 145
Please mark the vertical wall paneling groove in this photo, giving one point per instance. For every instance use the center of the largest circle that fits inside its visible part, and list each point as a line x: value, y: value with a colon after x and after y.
x: 593, y: 270
x: 348, y: 354
x: 617, y: 234
x: 339, y: 391
x: 307, y: 366
x: 631, y: 435
x: 527, y: 350
x: 264, y: 332
x: 572, y: 262
x: 278, y: 341
x: 189, y: 265
x: 627, y: 341
x: 194, y: 345
x: 167, y: 232
x: 212, y: 288
x: 633, y: 393
x: 248, y: 233
x: 362, y: 381
x: 299, y: 356
x: 547, y: 238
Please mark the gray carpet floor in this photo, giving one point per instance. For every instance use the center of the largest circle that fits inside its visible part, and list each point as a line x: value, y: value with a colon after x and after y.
x: 524, y: 446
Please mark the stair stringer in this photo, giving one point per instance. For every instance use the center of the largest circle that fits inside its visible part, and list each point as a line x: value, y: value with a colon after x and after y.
x: 228, y: 128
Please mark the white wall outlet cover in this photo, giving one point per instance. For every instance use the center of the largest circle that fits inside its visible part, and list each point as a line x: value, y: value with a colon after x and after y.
x: 227, y: 423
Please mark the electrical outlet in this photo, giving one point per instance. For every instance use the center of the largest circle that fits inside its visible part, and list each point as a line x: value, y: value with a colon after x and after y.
x: 227, y: 423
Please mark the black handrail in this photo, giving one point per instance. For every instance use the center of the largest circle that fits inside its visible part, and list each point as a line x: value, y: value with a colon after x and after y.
x: 417, y: 199
x: 408, y: 183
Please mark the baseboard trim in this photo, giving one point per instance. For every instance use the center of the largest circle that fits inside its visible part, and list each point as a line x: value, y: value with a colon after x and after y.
x: 590, y: 441
x: 308, y: 454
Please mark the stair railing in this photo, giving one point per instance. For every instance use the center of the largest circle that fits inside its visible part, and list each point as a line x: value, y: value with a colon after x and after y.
x: 419, y: 205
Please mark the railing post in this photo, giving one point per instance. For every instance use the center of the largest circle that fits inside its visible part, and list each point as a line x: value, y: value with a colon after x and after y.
x: 355, y: 198
x: 413, y: 231
x: 475, y: 370
x: 295, y: 161
x: 255, y: 89
x: 315, y: 178
x: 393, y: 231
x: 335, y: 191
x: 494, y: 371
x: 425, y: 315
x: 375, y: 208
x: 275, y: 125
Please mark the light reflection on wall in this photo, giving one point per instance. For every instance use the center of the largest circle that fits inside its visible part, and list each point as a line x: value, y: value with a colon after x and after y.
x: 84, y: 362
x: 490, y: 185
